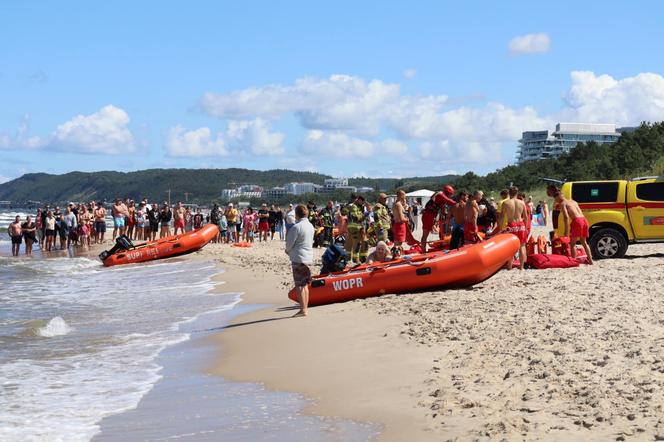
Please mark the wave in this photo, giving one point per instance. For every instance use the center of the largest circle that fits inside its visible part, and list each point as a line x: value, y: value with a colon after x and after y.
x: 55, y: 327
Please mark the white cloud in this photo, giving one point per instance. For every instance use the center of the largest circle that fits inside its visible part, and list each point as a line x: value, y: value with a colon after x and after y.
x: 255, y: 136
x: 409, y: 73
x: 603, y: 99
x: 338, y: 102
x: 251, y: 136
x: 103, y: 132
x: 393, y: 147
x: 337, y: 144
x: 346, y: 116
x: 22, y: 140
x: 195, y: 143
x: 529, y: 44
x: 4, y: 179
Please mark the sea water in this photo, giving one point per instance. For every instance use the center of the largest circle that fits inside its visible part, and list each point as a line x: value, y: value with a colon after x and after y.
x: 79, y: 341
x: 81, y: 346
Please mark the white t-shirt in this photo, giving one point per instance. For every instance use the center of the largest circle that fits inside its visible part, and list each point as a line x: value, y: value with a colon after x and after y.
x: 290, y: 217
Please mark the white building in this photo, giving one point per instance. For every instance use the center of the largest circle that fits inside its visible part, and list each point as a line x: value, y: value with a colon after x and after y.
x: 275, y: 192
x: 541, y: 144
x: 334, y: 183
x: 301, y: 188
x: 244, y: 191
x: 365, y: 189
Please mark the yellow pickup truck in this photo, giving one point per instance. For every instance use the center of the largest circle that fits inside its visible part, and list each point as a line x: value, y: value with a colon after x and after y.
x: 619, y: 213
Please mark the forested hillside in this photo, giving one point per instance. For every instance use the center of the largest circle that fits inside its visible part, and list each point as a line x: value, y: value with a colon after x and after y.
x: 640, y: 152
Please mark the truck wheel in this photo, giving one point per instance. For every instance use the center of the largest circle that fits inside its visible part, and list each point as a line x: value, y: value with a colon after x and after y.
x: 608, y: 243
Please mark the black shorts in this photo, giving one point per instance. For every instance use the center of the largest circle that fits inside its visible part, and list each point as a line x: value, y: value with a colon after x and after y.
x: 100, y: 226
x: 154, y: 227
x: 50, y: 232
x: 17, y: 239
x: 30, y: 236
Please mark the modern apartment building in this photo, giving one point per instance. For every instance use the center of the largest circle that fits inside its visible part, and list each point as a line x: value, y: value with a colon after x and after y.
x: 541, y: 144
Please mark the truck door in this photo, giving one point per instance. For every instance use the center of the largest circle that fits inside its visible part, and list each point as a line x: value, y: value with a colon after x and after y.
x: 645, y: 201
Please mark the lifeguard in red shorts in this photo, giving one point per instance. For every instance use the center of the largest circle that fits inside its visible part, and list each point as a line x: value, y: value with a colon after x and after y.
x: 431, y: 210
x: 576, y: 225
x: 515, y: 215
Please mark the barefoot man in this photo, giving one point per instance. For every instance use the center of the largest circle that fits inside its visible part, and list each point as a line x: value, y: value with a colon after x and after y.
x: 576, y: 225
x: 99, y: 214
x: 514, y: 215
x: 119, y: 211
x: 178, y: 218
x: 431, y: 210
x: 16, y: 235
x: 399, y: 221
x: 299, y: 248
x: 455, y: 220
x: 470, y: 213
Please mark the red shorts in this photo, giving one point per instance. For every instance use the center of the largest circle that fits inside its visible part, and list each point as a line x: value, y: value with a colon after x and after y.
x: 470, y: 233
x: 399, y: 231
x: 179, y: 223
x: 263, y: 226
x: 428, y: 220
x: 578, y: 228
x: 518, y: 229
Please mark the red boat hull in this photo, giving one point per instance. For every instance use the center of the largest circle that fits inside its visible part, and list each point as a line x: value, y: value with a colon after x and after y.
x: 435, y: 270
x: 166, y: 247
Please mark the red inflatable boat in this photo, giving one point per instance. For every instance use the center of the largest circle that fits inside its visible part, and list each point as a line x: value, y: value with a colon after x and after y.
x: 163, y: 248
x: 434, y: 270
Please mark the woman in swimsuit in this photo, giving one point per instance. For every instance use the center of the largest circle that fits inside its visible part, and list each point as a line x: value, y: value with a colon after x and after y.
x: 84, y: 229
x: 140, y: 221
x: 131, y: 219
x: 49, y: 231
x: 40, y: 228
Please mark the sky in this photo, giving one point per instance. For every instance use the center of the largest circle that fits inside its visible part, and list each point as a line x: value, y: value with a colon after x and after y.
x: 380, y: 89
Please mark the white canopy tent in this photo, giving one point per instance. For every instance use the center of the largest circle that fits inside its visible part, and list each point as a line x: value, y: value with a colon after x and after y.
x: 422, y: 193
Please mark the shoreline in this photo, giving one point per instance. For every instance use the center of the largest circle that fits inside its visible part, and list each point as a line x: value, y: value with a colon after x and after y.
x: 553, y: 354
x: 304, y: 355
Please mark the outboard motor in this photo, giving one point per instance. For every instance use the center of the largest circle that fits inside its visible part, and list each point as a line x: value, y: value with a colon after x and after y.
x: 122, y: 242
x: 334, y: 259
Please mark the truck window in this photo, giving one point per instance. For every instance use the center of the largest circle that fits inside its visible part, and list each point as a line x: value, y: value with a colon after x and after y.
x: 595, y: 192
x: 650, y: 191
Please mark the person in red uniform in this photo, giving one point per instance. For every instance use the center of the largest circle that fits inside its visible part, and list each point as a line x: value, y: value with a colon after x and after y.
x: 431, y: 210
x: 576, y: 225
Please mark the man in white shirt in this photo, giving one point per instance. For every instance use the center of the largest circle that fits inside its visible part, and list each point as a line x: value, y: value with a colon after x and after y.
x: 299, y: 247
x: 290, y: 218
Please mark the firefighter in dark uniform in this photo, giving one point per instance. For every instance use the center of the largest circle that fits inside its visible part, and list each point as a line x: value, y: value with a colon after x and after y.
x: 382, y: 218
x: 356, y: 231
x: 326, y: 216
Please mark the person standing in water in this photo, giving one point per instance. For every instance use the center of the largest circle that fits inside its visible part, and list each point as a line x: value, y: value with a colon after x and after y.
x: 29, y: 229
x: 16, y: 235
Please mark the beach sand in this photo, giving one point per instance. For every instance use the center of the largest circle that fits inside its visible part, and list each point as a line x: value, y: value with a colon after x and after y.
x: 567, y: 354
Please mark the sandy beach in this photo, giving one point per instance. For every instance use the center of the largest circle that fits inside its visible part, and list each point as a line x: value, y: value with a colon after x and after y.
x: 573, y: 354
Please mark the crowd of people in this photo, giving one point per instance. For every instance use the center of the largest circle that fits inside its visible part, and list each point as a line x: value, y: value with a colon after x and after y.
x: 358, y: 223
x: 467, y: 218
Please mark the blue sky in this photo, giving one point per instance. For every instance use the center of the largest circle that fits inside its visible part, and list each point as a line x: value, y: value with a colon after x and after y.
x: 378, y: 89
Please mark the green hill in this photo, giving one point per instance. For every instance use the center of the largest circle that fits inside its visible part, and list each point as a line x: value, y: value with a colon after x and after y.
x: 203, y: 185
x: 636, y: 153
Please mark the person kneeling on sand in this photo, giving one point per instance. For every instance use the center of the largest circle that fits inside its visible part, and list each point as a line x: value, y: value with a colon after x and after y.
x: 381, y: 254
x: 576, y: 225
x: 299, y: 247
